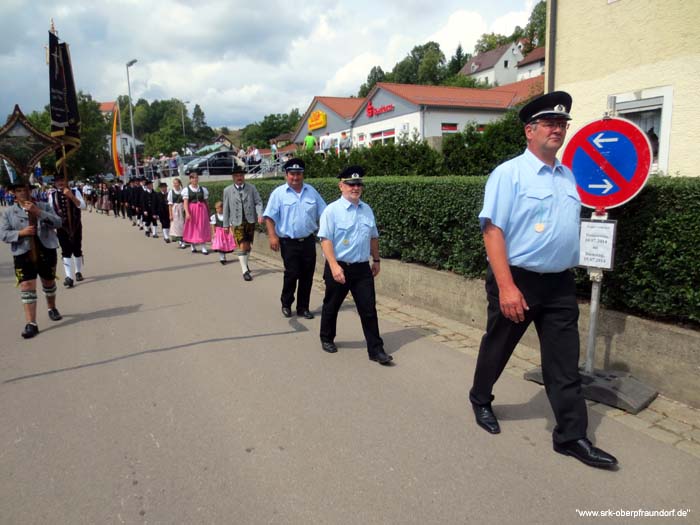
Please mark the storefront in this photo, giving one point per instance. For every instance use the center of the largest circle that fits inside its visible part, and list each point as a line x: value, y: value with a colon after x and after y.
x: 396, y: 112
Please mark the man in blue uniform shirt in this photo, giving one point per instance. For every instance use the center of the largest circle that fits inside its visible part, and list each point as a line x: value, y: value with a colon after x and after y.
x: 530, y: 224
x: 349, y: 237
x: 292, y: 215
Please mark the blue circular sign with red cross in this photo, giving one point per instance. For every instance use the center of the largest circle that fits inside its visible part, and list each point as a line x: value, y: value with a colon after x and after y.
x: 610, y: 159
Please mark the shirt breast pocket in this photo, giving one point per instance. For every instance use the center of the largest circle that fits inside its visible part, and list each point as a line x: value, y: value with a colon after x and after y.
x: 538, y: 204
x: 365, y: 226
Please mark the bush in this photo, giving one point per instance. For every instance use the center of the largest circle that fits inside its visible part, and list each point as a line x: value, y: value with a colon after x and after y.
x: 433, y: 221
x: 408, y: 157
x: 474, y: 153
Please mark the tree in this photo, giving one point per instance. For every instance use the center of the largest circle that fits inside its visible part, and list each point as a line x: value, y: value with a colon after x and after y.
x: 376, y: 74
x: 431, y: 67
x: 259, y: 133
x: 489, y: 41
x: 202, y: 132
x: 224, y: 130
x: 536, y: 28
x: 457, y: 61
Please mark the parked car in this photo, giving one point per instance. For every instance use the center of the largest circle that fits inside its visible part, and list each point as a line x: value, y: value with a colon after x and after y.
x: 217, y: 163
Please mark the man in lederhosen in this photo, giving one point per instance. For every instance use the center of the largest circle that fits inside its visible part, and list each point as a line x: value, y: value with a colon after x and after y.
x: 30, y: 229
x: 64, y: 202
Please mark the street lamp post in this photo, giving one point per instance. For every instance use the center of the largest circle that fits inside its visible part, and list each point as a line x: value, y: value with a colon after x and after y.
x: 182, y: 114
x: 131, y: 115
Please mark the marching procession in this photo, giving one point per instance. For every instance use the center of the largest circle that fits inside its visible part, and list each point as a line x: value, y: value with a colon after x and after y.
x: 182, y: 215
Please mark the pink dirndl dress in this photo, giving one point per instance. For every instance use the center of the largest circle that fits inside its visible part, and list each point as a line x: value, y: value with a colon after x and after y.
x: 223, y: 240
x: 197, y: 229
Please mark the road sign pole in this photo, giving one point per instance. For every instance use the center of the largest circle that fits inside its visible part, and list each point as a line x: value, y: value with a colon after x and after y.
x: 596, y: 277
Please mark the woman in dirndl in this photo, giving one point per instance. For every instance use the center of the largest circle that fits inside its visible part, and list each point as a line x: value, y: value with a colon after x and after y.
x: 196, y: 231
x: 177, y: 212
x: 223, y: 242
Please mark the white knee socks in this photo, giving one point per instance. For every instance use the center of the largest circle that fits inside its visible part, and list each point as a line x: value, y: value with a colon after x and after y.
x: 68, y: 267
x: 244, y: 262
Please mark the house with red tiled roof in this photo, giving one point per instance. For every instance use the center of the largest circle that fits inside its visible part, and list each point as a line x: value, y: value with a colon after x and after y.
x: 497, y: 66
x: 327, y: 116
x: 532, y: 65
x: 427, y: 112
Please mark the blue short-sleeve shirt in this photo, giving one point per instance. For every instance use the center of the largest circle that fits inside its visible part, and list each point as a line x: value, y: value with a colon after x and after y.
x: 296, y: 215
x: 538, y: 209
x: 349, y: 227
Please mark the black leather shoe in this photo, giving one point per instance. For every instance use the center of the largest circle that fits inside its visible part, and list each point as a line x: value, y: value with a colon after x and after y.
x: 68, y: 282
x: 381, y: 357
x: 583, y: 450
x: 79, y: 276
x: 55, y: 315
x: 306, y: 314
x: 286, y: 311
x: 30, y: 330
x: 486, y: 419
x: 223, y: 262
x: 247, y: 276
x: 329, y: 347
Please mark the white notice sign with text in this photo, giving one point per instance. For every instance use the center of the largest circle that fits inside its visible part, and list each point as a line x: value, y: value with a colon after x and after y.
x: 597, y: 244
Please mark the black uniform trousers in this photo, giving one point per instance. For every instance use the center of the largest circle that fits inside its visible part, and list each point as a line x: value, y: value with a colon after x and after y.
x: 71, y: 245
x: 554, y: 310
x: 360, y: 282
x: 299, y: 256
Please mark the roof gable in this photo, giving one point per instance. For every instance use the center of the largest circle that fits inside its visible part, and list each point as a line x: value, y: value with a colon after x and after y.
x: 485, y: 60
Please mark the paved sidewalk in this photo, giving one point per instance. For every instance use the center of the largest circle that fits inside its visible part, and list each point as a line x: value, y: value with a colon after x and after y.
x: 175, y: 392
x: 664, y: 419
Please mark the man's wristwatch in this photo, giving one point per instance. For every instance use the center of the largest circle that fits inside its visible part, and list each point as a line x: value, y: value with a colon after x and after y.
x: 376, y: 260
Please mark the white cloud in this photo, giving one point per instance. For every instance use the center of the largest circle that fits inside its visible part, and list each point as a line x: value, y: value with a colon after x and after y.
x: 463, y: 27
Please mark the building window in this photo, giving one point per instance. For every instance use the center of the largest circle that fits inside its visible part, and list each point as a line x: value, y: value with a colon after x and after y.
x: 650, y: 109
x: 505, y: 64
x: 385, y: 137
x: 449, y: 127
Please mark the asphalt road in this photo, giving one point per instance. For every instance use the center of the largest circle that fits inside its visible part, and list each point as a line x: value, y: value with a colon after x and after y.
x: 175, y: 392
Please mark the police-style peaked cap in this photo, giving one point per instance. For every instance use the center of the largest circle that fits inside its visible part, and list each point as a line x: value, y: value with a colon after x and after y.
x: 556, y: 104
x: 352, y: 175
x: 294, y: 165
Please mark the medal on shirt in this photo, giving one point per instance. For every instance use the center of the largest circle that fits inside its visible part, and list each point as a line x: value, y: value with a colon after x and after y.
x: 539, y: 225
x: 345, y: 242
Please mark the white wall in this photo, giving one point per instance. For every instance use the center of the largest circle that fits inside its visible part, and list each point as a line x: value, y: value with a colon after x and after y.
x: 435, y: 118
x: 534, y: 69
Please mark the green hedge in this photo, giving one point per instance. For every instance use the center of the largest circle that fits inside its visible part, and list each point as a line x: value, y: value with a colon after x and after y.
x: 433, y: 221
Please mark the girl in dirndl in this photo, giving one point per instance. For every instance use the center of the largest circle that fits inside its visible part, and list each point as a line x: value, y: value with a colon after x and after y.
x: 223, y: 240
x: 177, y: 212
x: 105, y: 203
x: 196, y: 231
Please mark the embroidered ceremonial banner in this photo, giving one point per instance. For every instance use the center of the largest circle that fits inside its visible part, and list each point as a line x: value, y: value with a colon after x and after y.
x: 63, y: 101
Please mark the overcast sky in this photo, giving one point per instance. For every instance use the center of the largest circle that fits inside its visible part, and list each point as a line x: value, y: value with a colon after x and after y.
x: 238, y: 60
